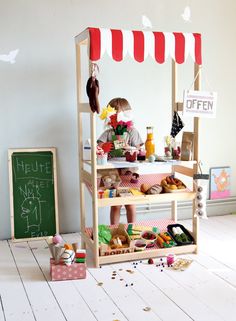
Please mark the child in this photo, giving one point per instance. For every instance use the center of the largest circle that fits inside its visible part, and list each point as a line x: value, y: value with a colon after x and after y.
x: 133, y: 139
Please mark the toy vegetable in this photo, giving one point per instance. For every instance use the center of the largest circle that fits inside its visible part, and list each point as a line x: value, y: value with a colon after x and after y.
x: 104, y: 234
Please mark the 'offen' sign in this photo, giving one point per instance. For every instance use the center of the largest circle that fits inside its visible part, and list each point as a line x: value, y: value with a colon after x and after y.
x: 199, y: 104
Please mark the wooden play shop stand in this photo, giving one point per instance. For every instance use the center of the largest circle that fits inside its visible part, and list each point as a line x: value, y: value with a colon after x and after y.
x: 138, y: 44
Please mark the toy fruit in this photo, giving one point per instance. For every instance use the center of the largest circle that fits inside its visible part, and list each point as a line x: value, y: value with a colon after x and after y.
x: 150, y: 261
x: 148, y: 237
x: 131, y: 156
x: 57, y: 239
x: 144, y: 187
x: 151, y: 158
x: 140, y: 245
x: 68, y: 246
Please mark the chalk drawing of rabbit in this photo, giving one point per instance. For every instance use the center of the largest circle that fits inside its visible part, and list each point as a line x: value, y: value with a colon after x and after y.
x: 31, y: 211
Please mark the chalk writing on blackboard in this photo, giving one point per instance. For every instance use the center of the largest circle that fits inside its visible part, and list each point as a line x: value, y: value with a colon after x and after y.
x: 33, y: 188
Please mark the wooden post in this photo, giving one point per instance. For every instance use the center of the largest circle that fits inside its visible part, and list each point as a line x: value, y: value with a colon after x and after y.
x: 174, y: 205
x: 80, y: 140
x: 174, y: 85
x: 197, y: 75
x: 94, y: 187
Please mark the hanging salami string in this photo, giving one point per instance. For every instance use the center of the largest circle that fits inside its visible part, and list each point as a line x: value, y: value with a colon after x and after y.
x: 92, y: 89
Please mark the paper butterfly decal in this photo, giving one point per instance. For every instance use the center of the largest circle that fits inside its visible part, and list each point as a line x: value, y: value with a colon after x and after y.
x: 146, y: 22
x: 10, y: 57
x: 186, y: 15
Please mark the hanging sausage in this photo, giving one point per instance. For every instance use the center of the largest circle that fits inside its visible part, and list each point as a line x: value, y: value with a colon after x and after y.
x: 92, y: 89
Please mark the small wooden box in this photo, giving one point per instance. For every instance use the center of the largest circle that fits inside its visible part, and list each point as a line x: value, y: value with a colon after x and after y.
x: 62, y: 272
x: 105, y: 249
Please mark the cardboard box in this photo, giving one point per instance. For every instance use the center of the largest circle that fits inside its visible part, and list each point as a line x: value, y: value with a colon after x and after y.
x: 62, y: 272
x: 110, y: 178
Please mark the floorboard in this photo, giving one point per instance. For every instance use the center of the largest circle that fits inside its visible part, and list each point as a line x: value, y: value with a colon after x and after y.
x: 2, y: 313
x: 206, y: 291
x: 15, y: 304
x: 154, y: 296
x: 103, y: 305
x: 66, y: 294
x: 42, y: 300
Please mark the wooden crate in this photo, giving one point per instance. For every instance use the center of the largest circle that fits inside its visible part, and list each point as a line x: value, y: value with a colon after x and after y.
x: 105, y: 249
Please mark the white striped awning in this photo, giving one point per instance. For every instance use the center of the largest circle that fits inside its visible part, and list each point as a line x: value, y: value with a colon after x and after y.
x: 140, y: 44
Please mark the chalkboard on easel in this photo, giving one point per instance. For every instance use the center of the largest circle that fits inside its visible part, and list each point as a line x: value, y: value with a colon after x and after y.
x: 33, y: 193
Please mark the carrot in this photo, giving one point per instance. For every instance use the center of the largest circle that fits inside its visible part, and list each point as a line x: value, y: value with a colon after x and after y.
x: 160, y: 241
x: 165, y: 237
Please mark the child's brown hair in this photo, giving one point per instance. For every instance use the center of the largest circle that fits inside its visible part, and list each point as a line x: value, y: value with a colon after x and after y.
x: 120, y: 104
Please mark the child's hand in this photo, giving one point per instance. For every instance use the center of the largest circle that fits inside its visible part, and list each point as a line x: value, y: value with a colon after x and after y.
x: 127, y: 146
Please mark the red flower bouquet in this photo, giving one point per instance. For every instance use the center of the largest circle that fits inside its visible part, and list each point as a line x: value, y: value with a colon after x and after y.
x: 120, y: 123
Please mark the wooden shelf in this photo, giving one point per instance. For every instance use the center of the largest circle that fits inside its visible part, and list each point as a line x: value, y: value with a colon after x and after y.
x: 141, y: 255
x: 141, y: 164
x: 161, y: 224
x: 146, y: 199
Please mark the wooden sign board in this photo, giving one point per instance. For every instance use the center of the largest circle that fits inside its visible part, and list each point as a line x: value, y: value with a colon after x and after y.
x: 199, y: 104
x: 33, y: 193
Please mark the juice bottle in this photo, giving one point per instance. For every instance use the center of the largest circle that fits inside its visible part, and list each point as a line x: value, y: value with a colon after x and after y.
x: 149, y: 144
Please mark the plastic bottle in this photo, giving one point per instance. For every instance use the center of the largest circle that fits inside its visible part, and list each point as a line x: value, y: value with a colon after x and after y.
x: 149, y: 144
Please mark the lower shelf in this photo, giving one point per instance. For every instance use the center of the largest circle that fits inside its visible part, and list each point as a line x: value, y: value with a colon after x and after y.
x: 146, y: 199
x: 147, y: 254
x: 139, y: 255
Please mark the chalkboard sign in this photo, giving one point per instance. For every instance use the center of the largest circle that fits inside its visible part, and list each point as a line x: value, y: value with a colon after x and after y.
x: 33, y: 193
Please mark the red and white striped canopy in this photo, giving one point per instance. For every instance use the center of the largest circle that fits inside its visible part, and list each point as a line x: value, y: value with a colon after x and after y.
x: 140, y: 44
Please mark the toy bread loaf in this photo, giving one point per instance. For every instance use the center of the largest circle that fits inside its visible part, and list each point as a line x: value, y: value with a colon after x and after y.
x: 172, y: 183
x: 118, y: 241
x: 155, y: 189
x: 144, y: 188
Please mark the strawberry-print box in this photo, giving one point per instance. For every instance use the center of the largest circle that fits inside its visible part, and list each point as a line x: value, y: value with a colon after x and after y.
x: 61, y: 272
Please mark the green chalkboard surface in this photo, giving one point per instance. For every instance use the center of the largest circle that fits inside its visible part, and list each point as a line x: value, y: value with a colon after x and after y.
x: 33, y: 193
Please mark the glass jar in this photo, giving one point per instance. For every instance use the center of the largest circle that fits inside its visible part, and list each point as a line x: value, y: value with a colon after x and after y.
x: 149, y: 144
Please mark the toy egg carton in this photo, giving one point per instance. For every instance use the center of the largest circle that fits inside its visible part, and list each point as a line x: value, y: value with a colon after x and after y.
x: 110, y: 178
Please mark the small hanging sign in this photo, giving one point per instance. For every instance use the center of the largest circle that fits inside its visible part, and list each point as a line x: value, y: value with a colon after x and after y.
x: 199, y: 103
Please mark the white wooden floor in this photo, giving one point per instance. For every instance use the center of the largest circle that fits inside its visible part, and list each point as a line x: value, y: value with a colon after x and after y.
x: 205, y: 291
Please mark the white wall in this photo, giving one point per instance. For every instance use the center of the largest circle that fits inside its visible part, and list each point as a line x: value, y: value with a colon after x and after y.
x: 38, y: 93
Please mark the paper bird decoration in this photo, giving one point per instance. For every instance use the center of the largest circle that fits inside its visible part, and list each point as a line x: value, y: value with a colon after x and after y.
x: 10, y: 57
x: 186, y: 15
x: 146, y: 22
